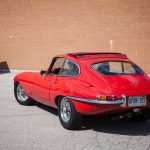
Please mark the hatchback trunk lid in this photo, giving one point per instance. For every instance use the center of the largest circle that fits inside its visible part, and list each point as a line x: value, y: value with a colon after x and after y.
x: 127, y: 82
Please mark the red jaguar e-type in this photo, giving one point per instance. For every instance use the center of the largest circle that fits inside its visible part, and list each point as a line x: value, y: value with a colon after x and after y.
x: 88, y: 84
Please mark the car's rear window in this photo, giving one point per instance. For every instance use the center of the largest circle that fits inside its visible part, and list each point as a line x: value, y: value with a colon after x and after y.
x: 116, y: 68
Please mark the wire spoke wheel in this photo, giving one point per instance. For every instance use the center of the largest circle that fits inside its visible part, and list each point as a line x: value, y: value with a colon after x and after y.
x: 65, y: 110
x: 21, y: 94
x: 68, y: 116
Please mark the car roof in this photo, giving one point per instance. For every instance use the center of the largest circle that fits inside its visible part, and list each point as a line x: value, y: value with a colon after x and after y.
x: 89, y: 57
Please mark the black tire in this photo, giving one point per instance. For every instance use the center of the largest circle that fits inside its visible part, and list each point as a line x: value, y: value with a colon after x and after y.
x: 75, y: 118
x: 143, y: 116
x: 28, y: 101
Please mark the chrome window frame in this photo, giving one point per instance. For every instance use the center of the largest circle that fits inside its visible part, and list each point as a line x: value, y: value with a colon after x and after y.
x: 73, y: 63
x: 59, y: 75
x: 52, y: 64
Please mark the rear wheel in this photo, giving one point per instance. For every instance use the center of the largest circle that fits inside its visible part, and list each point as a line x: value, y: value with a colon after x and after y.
x: 21, y: 96
x: 144, y: 116
x: 68, y: 116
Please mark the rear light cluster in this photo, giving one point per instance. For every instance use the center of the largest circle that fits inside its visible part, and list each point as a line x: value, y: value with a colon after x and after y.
x: 106, y: 97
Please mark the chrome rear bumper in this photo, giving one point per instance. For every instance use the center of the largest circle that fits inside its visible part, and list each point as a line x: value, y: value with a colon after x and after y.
x: 95, y: 101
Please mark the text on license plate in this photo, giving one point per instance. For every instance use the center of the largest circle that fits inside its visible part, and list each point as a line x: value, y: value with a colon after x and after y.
x: 137, y: 100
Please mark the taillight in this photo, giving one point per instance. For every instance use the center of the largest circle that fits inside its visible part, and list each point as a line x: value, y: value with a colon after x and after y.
x: 106, y: 97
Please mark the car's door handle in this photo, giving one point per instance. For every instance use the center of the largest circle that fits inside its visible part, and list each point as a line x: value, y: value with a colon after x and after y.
x: 52, y: 82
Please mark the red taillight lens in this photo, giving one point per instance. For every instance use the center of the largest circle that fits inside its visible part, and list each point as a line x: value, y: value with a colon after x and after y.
x: 111, y: 97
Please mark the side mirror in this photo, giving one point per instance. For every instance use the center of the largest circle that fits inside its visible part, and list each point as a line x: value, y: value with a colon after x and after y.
x: 42, y: 72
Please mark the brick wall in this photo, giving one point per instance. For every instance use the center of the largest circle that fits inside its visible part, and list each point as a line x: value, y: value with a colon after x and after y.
x: 33, y: 31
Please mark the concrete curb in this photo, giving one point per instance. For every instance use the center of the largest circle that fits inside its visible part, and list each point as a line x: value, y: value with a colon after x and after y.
x: 16, y: 71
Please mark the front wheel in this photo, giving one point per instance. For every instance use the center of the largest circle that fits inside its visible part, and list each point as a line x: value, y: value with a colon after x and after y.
x: 68, y: 116
x: 21, y: 96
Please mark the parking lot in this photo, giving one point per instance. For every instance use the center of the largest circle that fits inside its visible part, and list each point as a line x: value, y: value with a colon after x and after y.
x: 38, y: 128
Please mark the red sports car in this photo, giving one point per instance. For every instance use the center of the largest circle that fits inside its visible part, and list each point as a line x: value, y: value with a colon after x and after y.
x: 88, y: 84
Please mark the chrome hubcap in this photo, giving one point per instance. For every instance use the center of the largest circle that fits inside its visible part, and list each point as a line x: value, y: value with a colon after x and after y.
x: 65, y: 110
x: 21, y: 94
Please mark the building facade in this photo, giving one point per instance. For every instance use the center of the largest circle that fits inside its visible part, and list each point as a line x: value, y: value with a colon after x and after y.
x: 33, y: 31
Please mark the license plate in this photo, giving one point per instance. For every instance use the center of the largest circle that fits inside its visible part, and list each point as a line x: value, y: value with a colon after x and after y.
x: 137, y: 100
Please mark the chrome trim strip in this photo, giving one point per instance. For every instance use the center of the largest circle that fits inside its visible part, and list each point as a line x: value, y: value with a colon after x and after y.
x: 95, y: 101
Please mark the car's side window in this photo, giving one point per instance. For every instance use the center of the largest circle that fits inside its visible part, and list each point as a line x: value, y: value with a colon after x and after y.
x: 56, y: 66
x: 69, y: 69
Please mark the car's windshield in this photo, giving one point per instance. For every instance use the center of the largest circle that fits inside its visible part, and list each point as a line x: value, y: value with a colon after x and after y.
x: 116, y: 68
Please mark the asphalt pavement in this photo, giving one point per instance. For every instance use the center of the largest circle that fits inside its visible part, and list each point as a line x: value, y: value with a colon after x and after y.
x: 38, y: 128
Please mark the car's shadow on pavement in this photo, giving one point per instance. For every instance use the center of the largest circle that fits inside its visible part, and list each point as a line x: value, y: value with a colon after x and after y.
x: 121, y: 127
x: 99, y: 124
x: 47, y: 108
